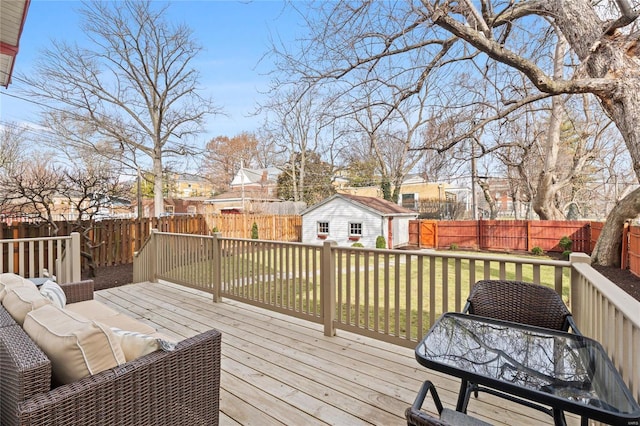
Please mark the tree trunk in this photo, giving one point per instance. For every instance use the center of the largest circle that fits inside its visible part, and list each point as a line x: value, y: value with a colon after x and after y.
x: 158, y: 198
x: 609, y: 246
x: 544, y: 202
x: 486, y: 192
x: 614, y: 57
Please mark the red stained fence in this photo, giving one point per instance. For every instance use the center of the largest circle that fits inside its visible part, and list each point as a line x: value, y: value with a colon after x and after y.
x: 504, y: 235
x: 633, y: 254
x: 521, y: 235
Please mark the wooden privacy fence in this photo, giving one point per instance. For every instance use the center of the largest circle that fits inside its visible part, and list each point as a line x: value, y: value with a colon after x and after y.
x: 505, y: 235
x: 270, y: 227
x: 114, y: 241
x: 632, y: 257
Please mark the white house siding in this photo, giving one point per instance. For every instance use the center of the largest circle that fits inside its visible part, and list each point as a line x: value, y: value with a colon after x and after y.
x: 339, y: 213
x: 400, y: 227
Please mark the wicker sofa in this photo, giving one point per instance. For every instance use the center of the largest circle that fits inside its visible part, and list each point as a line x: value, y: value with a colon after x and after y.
x: 179, y: 387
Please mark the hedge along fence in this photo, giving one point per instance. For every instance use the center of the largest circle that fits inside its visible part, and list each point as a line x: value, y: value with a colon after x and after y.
x: 506, y: 235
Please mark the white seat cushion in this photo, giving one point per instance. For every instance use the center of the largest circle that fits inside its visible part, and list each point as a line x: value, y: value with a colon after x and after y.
x: 76, y: 347
x: 19, y: 301
x: 9, y: 280
x: 97, y: 311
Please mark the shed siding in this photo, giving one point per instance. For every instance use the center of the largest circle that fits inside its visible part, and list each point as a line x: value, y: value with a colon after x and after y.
x: 339, y: 213
x: 400, y: 231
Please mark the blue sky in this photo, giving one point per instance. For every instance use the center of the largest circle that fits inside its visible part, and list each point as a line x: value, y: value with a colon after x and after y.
x: 234, y: 34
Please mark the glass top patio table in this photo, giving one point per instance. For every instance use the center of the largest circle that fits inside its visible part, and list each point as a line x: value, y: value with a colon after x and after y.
x: 567, y: 372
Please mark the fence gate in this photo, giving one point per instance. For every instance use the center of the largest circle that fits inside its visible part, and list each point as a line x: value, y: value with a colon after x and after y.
x: 428, y: 233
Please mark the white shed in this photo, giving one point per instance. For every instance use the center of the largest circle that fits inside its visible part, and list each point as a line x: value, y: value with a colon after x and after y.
x: 347, y: 219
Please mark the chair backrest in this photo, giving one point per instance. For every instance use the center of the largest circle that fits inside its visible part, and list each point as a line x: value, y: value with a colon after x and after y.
x: 519, y: 301
x: 417, y: 417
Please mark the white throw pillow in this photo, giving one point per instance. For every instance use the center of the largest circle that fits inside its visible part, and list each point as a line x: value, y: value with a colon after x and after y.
x: 75, y: 346
x: 54, y: 292
x: 134, y: 344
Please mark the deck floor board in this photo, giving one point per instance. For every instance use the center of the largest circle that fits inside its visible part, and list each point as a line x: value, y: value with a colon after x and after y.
x: 281, y: 370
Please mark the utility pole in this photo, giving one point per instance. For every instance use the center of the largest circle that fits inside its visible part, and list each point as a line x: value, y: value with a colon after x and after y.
x: 139, y: 194
x: 242, y: 181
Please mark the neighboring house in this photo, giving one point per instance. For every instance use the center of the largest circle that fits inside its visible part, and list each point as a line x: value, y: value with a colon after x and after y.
x: 250, y: 191
x: 12, y: 18
x: 347, y: 219
x: 186, y: 185
x: 175, y: 206
x: 413, y: 190
x: 247, y: 201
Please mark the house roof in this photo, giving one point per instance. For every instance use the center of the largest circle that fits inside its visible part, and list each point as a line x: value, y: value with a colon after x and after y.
x: 249, y: 176
x: 13, y: 13
x: 377, y: 205
x: 249, y: 195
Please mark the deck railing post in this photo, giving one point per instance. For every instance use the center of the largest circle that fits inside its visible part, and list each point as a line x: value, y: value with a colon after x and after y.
x: 328, y: 279
x: 216, y: 267
x: 576, y: 296
x: 154, y: 255
x: 75, y: 257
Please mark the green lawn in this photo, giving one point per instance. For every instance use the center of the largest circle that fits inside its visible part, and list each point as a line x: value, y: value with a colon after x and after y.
x: 370, y: 287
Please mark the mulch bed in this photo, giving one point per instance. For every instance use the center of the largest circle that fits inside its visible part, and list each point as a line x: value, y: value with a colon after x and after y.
x: 623, y: 278
x: 113, y: 276
x: 110, y: 276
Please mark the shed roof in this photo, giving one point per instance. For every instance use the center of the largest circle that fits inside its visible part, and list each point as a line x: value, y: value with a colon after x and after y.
x: 377, y: 205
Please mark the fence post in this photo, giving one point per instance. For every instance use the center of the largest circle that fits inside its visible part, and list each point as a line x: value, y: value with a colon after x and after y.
x: 328, y: 280
x: 75, y: 258
x: 576, y: 296
x: 216, y: 273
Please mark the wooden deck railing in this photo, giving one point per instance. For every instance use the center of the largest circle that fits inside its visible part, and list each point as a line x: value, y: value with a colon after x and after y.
x: 606, y: 313
x: 29, y: 257
x: 390, y: 295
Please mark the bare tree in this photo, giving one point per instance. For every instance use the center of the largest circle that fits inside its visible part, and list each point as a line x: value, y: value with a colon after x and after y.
x: 349, y: 41
x: 88, y: 190
x: 12, y: 137
x: 224, y: 156
x: 30, y: 188
x: 295, y: 123
x: 134, y: 91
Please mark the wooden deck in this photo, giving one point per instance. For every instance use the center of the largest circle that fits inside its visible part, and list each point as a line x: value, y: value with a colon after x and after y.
x: 278, y: 370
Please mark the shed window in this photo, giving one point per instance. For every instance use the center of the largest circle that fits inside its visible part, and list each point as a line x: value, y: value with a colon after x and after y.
x: 323, y: 227
x: 355, y: 229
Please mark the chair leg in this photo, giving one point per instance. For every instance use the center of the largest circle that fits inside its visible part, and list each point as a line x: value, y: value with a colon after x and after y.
x: 558, y: 418
x: 463, y: 396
